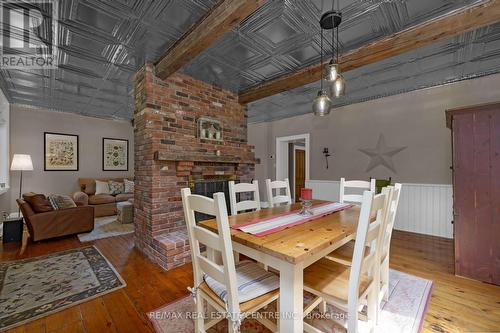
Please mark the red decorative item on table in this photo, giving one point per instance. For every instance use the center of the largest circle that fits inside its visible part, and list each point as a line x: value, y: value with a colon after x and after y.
x: 306, y: 194
x: 306, y: 201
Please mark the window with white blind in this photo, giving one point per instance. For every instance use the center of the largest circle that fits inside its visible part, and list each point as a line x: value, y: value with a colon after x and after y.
x: 4, y: 143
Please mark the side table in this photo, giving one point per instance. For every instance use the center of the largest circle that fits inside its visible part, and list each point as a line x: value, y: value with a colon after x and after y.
x: 125, y: 212
x: 12, y: 230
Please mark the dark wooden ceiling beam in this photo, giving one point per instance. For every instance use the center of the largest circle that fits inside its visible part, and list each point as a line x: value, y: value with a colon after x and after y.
x: 444, y: 27
x: 226, y: 15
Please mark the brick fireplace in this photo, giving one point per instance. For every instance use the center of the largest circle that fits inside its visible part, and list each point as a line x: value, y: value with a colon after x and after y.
x: 170, y: 155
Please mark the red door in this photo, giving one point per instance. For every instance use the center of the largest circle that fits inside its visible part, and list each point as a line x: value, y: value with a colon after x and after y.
x: 476, y: 178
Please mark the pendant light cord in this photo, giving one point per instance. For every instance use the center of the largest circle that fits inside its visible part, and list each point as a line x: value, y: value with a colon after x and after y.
x: 321, y: 56
x: 337, y: 29
x: 333, y: 31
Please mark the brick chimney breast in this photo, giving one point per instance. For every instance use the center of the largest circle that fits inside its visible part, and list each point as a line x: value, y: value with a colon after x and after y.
x: 169, y: 155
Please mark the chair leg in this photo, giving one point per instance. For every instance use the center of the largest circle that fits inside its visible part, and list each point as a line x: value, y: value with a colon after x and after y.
x: 385, y: 277
x: 278, y: 320
x: 199, y: 322
x: 352, y: 317
x: 231, y: 328
x: 322, y: 307
x: 372, y: 306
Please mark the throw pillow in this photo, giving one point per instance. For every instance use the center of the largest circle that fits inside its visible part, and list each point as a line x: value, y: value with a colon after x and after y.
x: 38, y: 202
x: 90, y: 188
x: 129, y: 186
x: 52, y: 201
x: 61, y: 201
x: 65, y: 201
x: 101, y: 187
x: 115, y: 187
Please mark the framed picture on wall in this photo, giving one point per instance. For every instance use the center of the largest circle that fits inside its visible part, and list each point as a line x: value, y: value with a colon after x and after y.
x: 114, y: 154
x: 60, y: 152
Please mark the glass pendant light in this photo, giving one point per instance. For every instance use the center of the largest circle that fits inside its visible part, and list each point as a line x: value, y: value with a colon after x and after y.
x: 335, y: 81
x: 331, y: 72
x: 332, y: 69
x: 322, y: 103
x: 338, y: 87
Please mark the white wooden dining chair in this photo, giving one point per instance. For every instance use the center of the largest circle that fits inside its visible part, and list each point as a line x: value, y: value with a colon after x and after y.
x: 355, y: 184
x: 348, y: 287
x: 344, y: 254
x: 235, y: 189
x: 236, y: 291
x: 278, y: 186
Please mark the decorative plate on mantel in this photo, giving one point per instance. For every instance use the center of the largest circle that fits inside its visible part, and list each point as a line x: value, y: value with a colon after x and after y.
x: 209, y: 129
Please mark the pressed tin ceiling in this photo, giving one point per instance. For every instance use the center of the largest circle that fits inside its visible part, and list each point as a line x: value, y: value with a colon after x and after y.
x: 470, y: 55
x: 283, y: 36
x: 101, y: 46
x: 103, y: 43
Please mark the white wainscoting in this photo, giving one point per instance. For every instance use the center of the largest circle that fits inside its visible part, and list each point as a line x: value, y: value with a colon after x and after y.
x: 423, y: 208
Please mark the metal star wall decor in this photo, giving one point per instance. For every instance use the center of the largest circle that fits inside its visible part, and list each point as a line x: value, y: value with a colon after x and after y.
x: 381, y: 155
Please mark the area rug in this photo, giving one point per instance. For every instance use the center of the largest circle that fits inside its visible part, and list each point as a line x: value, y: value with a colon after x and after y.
x: 403, y: 313
x: 105, y: 227
x: 36, y: 287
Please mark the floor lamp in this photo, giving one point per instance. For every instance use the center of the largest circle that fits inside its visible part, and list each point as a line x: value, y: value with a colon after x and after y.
x: 21, y: 162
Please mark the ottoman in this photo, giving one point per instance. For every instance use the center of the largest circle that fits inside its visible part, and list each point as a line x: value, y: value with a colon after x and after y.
x: 125, y: 212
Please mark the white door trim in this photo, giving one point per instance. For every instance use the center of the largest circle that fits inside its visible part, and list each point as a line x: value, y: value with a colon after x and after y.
x: 295, y: 148
x: 282, y: 154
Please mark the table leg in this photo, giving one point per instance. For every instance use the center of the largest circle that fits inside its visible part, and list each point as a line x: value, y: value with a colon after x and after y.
x: 291, y: 298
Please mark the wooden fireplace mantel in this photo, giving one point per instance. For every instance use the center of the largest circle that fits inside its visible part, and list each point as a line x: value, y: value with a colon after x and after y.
x: 161, y: 155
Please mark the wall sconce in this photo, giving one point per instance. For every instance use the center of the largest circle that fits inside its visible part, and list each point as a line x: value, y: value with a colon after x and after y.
x: 327, y: 154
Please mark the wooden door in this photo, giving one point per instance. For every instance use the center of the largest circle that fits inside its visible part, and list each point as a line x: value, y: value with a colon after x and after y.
x: 300, y: 172
x: 476, y: 181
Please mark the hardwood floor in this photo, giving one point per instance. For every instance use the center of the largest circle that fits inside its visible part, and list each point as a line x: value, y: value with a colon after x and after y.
x: 457, y: 304
x: 148, y: 287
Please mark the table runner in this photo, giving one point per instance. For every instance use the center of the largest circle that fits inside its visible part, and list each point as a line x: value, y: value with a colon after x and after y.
x: 269, y: 225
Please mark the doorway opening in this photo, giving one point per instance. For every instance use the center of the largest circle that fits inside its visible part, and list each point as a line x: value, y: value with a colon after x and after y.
x: 292, y: 161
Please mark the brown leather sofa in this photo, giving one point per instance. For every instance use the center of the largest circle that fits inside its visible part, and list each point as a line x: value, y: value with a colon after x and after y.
x: 57, y: 223
x: 104, y: 204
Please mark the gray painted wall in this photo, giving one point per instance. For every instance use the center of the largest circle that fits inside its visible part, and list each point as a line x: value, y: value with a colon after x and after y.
x: 27, y: 126
x: 4, y: 149
x: 415, y: 120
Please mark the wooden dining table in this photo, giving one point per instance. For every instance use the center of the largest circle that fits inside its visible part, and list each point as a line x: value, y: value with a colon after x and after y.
x: 291, y: 250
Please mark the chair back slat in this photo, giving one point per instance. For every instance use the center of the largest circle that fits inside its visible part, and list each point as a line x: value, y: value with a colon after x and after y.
x: 234, y: 189
x: 373, y: 232
x: 213, y: 270
x: 221, y: 241
x: 207, y: 238
x: 278, y: 186
x: 354, y: 198
x: 244, y: 187
x: 247, y: 205
x: 281, y: 199
x: 355, y: 184
x: 198, y: 203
